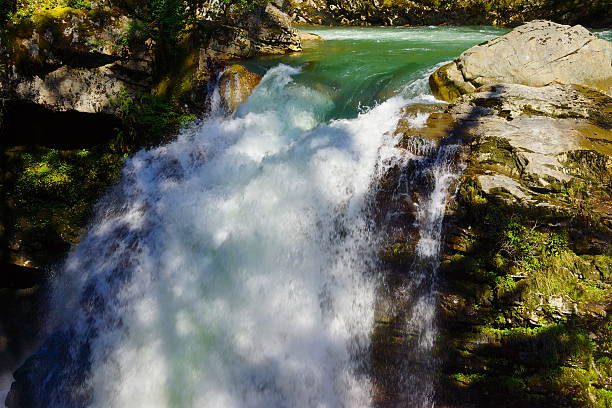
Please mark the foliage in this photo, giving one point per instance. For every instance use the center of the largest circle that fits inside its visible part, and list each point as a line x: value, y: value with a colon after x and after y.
x: 51, y: 174
x: 25, y: 8
x: 79, y: 4
x: 52, y: 190
x: 242, y: 4
x: 534, y: 339
x: 147, y: 119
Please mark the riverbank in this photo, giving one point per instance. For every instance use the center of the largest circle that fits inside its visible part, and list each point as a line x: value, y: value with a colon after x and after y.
x: 590, y: 13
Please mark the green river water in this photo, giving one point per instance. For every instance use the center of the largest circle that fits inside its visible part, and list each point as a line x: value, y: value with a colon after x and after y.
x: 360, y: 67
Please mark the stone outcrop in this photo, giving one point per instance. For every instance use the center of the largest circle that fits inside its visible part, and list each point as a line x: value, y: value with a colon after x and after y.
x: 67, y: 59
x: 264, y: 31
x: 526, y: 273
x: 304, y: 36
x: 525, y: 278
x: 535, y: 54
x: 525, y: 285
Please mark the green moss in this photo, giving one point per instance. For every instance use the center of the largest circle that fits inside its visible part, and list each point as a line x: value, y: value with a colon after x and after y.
x: 52, y: 190
x: 543, y: 337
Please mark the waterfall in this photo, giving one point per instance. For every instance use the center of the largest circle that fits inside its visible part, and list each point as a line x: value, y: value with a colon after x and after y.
x: 233, y: 267
x: 404, y: 338
x: 442, y: 169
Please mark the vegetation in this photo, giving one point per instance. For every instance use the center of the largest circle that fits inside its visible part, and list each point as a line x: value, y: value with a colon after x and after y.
x: 50, y: 194
x: 534, y: 283
x: 147, y: 119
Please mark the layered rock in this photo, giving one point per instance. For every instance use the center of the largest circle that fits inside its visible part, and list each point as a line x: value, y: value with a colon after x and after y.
x: 67, y: 59
x: 525, y: 285
x: 536, y: 54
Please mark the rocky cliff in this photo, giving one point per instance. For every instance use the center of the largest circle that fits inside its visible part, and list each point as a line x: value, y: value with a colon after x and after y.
x: 526, y: 275
x: 592, y: 13
x: 536, y: 54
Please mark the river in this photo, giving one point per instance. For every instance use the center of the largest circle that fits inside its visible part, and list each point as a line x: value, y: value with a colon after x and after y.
x: 237, y: 265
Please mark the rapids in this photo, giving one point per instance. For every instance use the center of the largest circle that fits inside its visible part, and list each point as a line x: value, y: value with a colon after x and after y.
x: 237, y: 265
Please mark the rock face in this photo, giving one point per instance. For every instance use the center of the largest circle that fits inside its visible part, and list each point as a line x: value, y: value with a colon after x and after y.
x: 592, y: 13
x: 264, y: 31
x: 524, y: 284
x: 526, y: 290
x: 535, y: 54
x: 67, y: 59
x: 235, y: 85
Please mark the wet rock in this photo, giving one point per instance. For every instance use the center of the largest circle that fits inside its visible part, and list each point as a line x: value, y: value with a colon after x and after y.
x: 304, y: 36
x: 235, y: 85
x: 536, y: 54
x: 447, y: 83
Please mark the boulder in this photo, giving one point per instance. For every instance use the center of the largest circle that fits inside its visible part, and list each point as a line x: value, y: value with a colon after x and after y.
x: 539, y: 53
x: 304, y: 36
x: 66, y: 59
x: 235, y: 85
x: 262, y: 31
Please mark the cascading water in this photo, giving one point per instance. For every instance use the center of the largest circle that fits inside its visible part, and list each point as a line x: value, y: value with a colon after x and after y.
x: 441, y: 168
x: 238, y: 265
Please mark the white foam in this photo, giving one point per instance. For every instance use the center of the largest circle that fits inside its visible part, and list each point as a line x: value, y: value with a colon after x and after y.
x: 247, y: 253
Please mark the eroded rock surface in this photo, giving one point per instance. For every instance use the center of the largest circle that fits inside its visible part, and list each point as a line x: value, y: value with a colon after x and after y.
x: 525, y: 305
x: 67, y: 59
x: 536, y: 54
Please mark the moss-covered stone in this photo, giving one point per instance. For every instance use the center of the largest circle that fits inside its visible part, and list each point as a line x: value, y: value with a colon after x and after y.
x: 447, y: 83
x: 526, y: 292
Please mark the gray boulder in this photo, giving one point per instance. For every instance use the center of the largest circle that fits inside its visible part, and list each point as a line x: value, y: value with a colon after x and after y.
x: 539, y: 53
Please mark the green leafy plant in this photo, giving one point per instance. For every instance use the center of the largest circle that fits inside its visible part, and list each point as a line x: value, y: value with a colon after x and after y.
x: 147, y: 119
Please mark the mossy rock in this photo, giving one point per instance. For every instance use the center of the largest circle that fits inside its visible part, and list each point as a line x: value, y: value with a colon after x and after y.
x: 447, y: 83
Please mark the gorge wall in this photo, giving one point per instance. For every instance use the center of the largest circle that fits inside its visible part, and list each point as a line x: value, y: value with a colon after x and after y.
x: 591, y: 13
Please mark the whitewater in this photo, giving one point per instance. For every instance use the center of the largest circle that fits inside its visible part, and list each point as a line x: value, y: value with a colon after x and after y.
x: 237, y: 266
